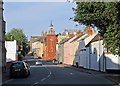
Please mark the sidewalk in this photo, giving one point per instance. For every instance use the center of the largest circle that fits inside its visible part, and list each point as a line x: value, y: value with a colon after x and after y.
x: 5, y: 76
x: 0, y: 78
x: 110, y: 76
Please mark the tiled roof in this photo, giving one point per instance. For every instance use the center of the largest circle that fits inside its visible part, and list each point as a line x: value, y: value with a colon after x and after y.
x: 64, y: 40
x: 89, y: 39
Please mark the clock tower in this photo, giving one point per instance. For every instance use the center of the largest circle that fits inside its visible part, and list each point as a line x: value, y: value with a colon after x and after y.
x: 51, y: 43
x: 51, y: 29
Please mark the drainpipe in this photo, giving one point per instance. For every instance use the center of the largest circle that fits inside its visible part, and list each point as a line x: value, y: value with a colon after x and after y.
x: 104, y: 62
x: 89, y: 58
x: 79, y: 58
x: 118, y: 58
x: 99, y: 53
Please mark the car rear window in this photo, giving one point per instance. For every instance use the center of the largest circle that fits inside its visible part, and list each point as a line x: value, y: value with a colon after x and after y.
x: 18, y: 65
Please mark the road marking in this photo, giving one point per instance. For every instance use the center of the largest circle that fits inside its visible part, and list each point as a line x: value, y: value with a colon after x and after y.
x: 37, y: 66
x: 71, y: 73
x: 44, y: 77
x: 36, y: 83
x: 47, y: 75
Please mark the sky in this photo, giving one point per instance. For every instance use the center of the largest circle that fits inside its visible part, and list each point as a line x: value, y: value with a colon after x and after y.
x: 35, y: 17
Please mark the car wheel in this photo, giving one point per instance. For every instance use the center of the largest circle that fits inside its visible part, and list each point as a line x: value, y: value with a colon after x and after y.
x: 28, y: 73
x: 11, y: 76
x: 25, y: 74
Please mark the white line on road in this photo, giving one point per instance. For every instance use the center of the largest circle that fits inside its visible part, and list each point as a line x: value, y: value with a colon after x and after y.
x: 44, y: 77
x: 36, y: 83
x: 71, y: 73
x: 47, y: 75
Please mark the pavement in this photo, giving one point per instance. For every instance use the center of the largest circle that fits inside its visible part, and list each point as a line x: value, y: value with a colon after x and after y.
x: 5, y: 76
x: 114, y: 77
x: 0, y: 78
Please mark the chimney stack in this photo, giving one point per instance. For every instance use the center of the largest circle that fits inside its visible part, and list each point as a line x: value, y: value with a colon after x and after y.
x: 88, y: 30
x: 79, y: 33
x: 71, y: 35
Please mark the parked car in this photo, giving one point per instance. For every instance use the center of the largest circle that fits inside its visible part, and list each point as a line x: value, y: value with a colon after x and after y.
x: 19, y: 69
x: 38, y: 62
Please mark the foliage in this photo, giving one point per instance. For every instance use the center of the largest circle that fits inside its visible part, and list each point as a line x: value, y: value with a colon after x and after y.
x: 18, y: 34
x: 105, y: 16
x: 112, y: 38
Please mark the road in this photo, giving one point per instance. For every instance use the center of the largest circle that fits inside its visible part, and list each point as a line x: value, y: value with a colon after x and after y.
x: 56, y: 74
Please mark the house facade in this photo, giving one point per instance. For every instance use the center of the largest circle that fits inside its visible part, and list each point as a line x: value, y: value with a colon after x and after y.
x: 61, y: 50
x: 59, y: 46
x: 36, y: 46
x: 70, y: 48
x: 39, y: 49
x: 33, y: 39
x: 91, y: 54
x: 101, y: 59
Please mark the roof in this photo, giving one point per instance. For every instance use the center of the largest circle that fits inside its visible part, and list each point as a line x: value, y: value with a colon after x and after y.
x: 97, y: 38
x: 64, y: 40
x: 38, y: 38
x: 51, y: 25
x: 83, y: 37
x: 89, y: 38
x: 71, y: 39
x: 77, y: 37
x: 35, y: 36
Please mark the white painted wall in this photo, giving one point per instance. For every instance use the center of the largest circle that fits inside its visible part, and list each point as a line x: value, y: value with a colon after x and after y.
x: 82, y: 53
x: 96, y: 50
x: 93, y: 57
x: 56, y: 51
x: 79, y: 54
x: 61, y: 60
x: 86, y: 58
x: 33, y: 46
x: 11, y: 47
x: 112, y: 62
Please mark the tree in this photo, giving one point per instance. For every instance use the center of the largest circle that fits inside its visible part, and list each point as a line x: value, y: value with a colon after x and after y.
x: 112, y: 38
x: 18, y: 34
x: 103, y: 15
